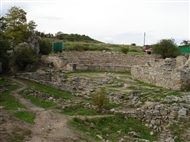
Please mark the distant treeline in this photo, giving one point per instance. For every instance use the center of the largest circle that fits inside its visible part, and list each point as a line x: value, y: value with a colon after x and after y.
x: 67, y: 37
x: 76, y: 37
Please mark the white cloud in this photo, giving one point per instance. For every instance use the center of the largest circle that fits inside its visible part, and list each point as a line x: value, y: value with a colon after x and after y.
x: 118, y: 21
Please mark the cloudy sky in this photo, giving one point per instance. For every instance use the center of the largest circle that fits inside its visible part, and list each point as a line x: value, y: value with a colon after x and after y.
x: 110, y: 21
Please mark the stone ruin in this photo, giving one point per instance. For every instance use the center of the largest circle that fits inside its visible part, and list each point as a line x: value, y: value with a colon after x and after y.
x: 54, y: 79
x: 170, y: 73
x: 105, y: 61
x: 155, y: 115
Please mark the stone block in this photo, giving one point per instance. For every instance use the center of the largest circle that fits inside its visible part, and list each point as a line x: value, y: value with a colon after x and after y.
x: 182, y: 112
x: 183, y: 118
x: 163, y: 112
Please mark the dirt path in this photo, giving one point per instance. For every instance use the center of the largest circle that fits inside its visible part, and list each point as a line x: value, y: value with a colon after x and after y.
x: 49, y: 126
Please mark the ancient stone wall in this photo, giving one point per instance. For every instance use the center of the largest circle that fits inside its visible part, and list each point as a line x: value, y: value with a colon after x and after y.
x: 168, y: 73
x: 107, y: 61
x: 54, y: 79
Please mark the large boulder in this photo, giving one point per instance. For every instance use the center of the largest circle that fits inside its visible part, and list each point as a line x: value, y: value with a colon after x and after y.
x: 21, y: 45
x: 34, y: 41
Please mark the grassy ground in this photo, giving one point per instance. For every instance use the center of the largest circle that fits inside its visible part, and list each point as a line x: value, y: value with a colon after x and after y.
x: 26, y: 116
x: 98, y: 46
x: 112, y: 128
x: 49, y: 90
x: 12, y: 105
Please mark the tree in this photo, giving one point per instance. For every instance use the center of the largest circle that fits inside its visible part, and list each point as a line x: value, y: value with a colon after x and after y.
x: 26, y: 55
x: 100, y: 99
x: 31, y: 26
x: 166, y: 48
x: 59, y: 35
x: 45, y: 47
x: 16, y: 25
x: 186, y: 42
x: 5, y: 46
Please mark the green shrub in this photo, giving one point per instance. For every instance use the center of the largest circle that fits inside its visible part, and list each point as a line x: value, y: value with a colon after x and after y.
x: 25, y: 56
x: 166, y: 48
x: 124, y: 50
x: 45, y: 47
x: 100, y: 99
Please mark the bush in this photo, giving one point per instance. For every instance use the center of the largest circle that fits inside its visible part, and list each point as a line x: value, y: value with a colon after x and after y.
x: 25, y: 56
x: 166, y: 48
x: 45, y: 47
x: 133, y: 44
x: 100, y: 99
x: 124, y: 50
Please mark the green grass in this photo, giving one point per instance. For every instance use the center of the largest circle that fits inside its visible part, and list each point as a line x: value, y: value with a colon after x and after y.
x: 39, y: 102
x: 10, y: 102
x: 25, y: 116
x: 79, y: 110
x: 174, y: 93
x: 110, y: 125
x: 144, y: 84
x: 110, y: 105
x: 50, y: 90
x: 4, y: 81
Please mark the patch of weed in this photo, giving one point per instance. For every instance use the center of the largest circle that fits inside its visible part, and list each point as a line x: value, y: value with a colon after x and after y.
x: 110, y: 105
x: 174, y: 93
x: 144, y: 84
x: 178, y: 130
x: 18, y: 134
x: 79, y: 110
x: 10, y: 102
x: 25, y: 116
x: 39, y: 102
x: 111, y: 125
x: 50, y: 90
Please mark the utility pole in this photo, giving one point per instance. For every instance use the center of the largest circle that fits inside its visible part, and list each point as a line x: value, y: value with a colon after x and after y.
x: 144, y: 38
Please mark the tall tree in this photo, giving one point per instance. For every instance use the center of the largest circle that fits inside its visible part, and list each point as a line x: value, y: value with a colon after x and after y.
x: 5, y: 43
x: 17, y: 26
x: 13, y: 31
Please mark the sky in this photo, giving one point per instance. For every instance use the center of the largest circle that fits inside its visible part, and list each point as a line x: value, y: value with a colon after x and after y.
x: 110, y: 21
